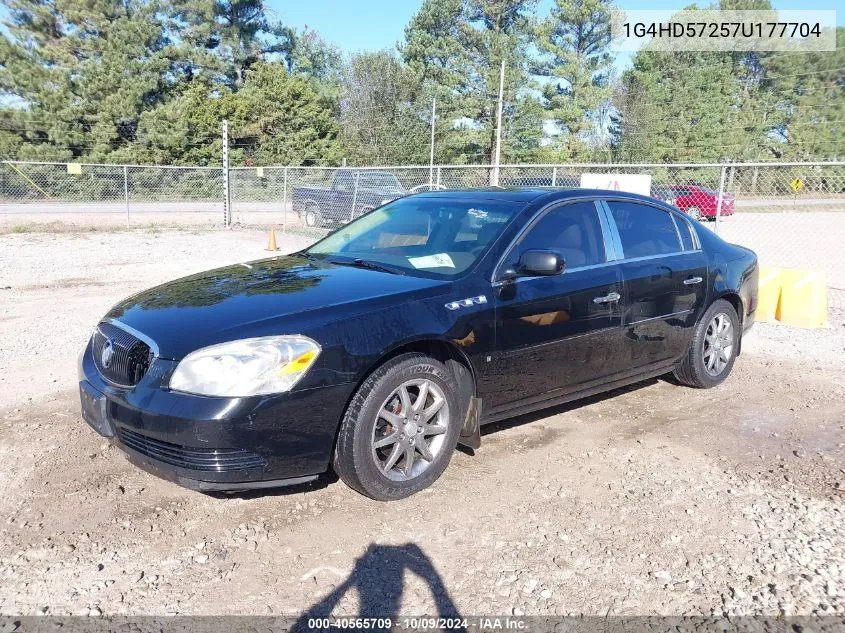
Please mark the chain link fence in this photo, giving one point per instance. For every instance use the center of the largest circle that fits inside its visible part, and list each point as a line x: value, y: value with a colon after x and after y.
x: 791, y: 214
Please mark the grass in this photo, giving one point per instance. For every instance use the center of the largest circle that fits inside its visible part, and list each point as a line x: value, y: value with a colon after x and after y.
x: 58, y: 227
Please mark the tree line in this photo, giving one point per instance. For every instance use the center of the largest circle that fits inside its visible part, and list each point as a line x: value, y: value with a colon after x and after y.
x: 149, y: 82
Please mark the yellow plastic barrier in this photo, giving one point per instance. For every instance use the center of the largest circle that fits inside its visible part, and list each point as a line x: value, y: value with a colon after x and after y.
x: 768, y: 297
x: 803, y: 298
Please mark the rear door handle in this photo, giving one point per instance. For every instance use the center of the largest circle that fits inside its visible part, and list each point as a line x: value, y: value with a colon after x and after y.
x: 611, y: 298
x: 692, y: 281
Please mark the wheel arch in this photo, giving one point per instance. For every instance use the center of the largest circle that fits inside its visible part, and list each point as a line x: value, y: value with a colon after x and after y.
x: 458, y: 363
x: 736, y: 301
x: 304, y: 204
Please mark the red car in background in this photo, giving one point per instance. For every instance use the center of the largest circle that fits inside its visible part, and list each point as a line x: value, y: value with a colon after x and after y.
x: 701, y: 203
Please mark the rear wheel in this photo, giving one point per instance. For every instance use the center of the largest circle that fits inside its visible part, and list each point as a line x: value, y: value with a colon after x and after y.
x: 400, y: 429
x: 713, y: 349
x: 313, y: 217
x: 695, y: 213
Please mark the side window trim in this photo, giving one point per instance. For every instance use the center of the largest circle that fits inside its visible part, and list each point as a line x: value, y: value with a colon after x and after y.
x: 696, y: 243
x: 608, y: 246
x: 618, y: 251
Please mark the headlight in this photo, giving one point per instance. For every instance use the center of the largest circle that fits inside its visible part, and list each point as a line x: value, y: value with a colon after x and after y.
x: 249, y: 367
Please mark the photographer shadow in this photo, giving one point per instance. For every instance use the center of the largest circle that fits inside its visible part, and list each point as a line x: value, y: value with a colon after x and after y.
x: 378, y: 578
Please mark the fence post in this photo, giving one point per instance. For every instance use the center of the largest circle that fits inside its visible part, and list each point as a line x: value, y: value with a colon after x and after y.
x: 554, y: 176
x: 227, y: 192
x: 354, y: 199
x: 719, y: 199
x: 438, y: 176
x: 285, y: 202
x: 126, y: 191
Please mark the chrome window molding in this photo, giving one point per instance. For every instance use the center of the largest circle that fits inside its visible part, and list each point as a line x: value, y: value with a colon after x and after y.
x: 613, y: 229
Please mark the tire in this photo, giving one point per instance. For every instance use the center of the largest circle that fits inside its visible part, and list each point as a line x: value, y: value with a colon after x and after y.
x: 695, y: 213
x: 365, y: 468
x: 699, y: 368
x: 312, y: 216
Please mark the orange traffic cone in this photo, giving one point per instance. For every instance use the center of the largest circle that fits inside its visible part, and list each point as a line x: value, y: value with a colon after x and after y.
x: 271, y: 240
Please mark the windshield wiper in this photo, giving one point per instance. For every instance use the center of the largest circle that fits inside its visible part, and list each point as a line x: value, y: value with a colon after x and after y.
x: 304, y: 254
x: 366, y: 263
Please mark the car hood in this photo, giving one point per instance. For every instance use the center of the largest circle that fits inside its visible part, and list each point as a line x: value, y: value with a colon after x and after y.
x: 280, y: 295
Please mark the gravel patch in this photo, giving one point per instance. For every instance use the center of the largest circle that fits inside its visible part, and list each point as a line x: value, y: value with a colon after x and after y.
x: 651, y: 500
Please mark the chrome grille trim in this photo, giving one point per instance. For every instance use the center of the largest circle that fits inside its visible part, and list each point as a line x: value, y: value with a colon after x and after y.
x: 131, y: 358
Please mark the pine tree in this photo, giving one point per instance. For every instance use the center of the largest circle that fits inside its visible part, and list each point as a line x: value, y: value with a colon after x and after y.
x: 80, y: 74
x: 456, y: 48
x: 381, y: 120
x: 678, y: 106
x: 223, y: 39
x: 274, y: 119
x: 807, y: 103
x: 278, y: 119
x: 576, y: 38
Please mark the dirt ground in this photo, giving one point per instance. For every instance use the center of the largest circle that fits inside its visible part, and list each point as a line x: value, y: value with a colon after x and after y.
x: 655, y: 499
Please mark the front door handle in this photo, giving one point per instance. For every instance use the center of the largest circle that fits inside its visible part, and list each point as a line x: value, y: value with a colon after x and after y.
x: 611, y: 298
x: 692, y: 281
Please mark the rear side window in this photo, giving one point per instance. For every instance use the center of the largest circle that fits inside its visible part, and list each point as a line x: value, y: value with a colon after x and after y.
x: 644, y: 230
x: 571, y: 230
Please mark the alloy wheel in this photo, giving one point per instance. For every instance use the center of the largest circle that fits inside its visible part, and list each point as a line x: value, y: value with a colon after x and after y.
x: 410, y: 429
x: 718, y: 344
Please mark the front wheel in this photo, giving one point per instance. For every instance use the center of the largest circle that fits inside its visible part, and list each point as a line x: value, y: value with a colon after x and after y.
x: 313, y: 217
x: 400, y: 430
x: 713, y: 349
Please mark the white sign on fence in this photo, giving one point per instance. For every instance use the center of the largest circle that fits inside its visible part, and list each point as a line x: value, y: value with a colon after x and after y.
x: 634, y: 183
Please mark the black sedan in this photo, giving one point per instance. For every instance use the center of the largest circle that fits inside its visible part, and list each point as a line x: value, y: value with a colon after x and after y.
x: 378, y: 349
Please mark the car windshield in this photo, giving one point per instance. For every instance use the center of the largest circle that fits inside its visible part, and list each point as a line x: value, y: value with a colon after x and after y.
x: 428, y: 237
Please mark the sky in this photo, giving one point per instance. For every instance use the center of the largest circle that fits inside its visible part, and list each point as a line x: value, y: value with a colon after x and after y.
x: 356, y: 25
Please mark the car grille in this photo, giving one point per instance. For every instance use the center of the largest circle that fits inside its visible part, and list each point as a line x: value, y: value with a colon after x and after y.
x: 130, y: 357
x: 189, y: 457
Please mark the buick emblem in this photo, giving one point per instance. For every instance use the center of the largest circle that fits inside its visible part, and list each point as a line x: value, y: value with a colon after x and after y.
x: 107, y: 353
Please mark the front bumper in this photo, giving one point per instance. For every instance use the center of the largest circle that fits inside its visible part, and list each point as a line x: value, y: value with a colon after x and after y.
x: 207, y: 443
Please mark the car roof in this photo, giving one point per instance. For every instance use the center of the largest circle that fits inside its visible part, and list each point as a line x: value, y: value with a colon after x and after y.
x: 530, y: 194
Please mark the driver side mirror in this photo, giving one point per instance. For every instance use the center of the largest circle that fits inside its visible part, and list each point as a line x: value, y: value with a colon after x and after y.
x: 539, y: 263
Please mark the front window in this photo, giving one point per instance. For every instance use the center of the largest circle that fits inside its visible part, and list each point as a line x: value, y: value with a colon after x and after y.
x: 429, y: 237
x: 572, y: 230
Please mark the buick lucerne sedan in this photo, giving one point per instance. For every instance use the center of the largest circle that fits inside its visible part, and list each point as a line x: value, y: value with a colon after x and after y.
x: 379, y: 348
